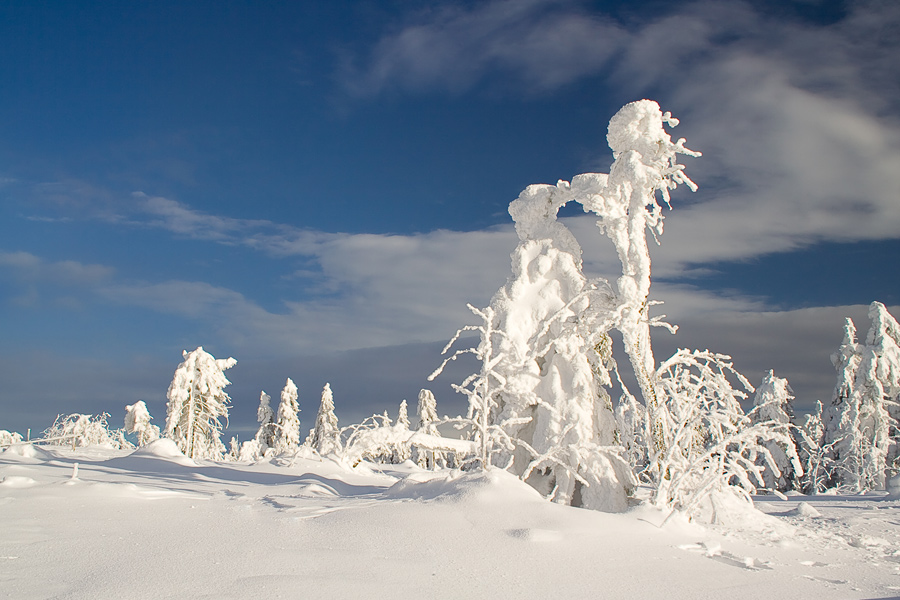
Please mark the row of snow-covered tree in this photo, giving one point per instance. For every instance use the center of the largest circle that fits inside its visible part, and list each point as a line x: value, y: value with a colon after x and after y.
x: 541, y: 404
x: 198, y: 405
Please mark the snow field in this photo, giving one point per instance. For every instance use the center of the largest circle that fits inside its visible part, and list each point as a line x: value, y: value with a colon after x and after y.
x: 152, y: 525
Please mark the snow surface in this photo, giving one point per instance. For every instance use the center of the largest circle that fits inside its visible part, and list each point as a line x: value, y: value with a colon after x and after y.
x: 103, y: 523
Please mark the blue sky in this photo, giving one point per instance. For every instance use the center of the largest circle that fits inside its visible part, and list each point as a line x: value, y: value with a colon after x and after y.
x: 317, y: 189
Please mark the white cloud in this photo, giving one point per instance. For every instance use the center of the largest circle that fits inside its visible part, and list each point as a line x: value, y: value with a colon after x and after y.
x: 26, y: 268
x: 543, y: 43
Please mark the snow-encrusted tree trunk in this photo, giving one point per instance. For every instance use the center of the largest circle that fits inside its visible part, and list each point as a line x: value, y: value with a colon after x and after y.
x: 645, y: 163
x: 137, y: 421
x: 772, y: 403
x: 197, y: 401
x: 325, y: 437
x: 287, y: 428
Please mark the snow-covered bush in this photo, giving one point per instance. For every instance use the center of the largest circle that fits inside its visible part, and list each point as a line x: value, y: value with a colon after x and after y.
x: 482, y: 389
x: 197, y: 401
x: 772, y: 403
x: 861, y: 421
x: 8, y: 438
x: 325, y: 437
x: 708, y: 446
x: 79, y: 430
x: 287, y: 428
x: 137, y: 421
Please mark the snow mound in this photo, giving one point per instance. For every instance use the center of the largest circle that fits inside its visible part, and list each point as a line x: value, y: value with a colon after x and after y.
x: 16, y: 481
x: 28, y: 451
x: 165, y: 449
x: 487, y: 487
x: 805, y: 509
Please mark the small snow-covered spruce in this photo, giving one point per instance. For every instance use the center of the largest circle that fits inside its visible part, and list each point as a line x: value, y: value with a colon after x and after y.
x: 197, y: 401
x: 402, y: 451
x: 265, y: 416
x: 78, y: 430
x: 710, y: 447
x: 428, y: 419
x: 137, y: 421
x: 861, y: 421
x: 325, y: 437
x: 815, y: 455
x: 287, y: 429
x: 264, y: 440
x: 772, y: 403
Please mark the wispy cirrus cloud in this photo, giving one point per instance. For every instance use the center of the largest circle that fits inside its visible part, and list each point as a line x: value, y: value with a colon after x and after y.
x: 544, y: 44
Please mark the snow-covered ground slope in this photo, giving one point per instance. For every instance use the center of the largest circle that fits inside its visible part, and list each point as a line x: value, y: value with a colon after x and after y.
x: 154, y: 524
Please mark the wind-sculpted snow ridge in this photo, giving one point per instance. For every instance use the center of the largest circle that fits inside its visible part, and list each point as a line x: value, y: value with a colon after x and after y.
x: 140, y: 525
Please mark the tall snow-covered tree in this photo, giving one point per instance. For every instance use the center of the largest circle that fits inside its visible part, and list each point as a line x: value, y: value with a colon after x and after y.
x: 860, y: 428
x: 772, y: 403
x: 137, y: 421
x: 325, y: 437
x: 287, y: 429
x: 197, y: 401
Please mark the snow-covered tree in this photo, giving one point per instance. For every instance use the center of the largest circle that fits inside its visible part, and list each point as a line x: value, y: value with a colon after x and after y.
x: 482, y: 390
x: 265, y: 416
x: 197, y: 401
x: 859, y: 425
x: 551, y: 358
x: 709, y: 448
x: 428, y: 419
x: 287, y: 429
x: 402, y: 450
x: 325, y: 437
x: 264, y: 440
x: 137, y: 421
x: 772, y: 403
x: 815, y: 455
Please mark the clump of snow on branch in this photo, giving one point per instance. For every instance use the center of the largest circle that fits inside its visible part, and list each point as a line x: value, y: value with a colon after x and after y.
x: 197, y: 401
